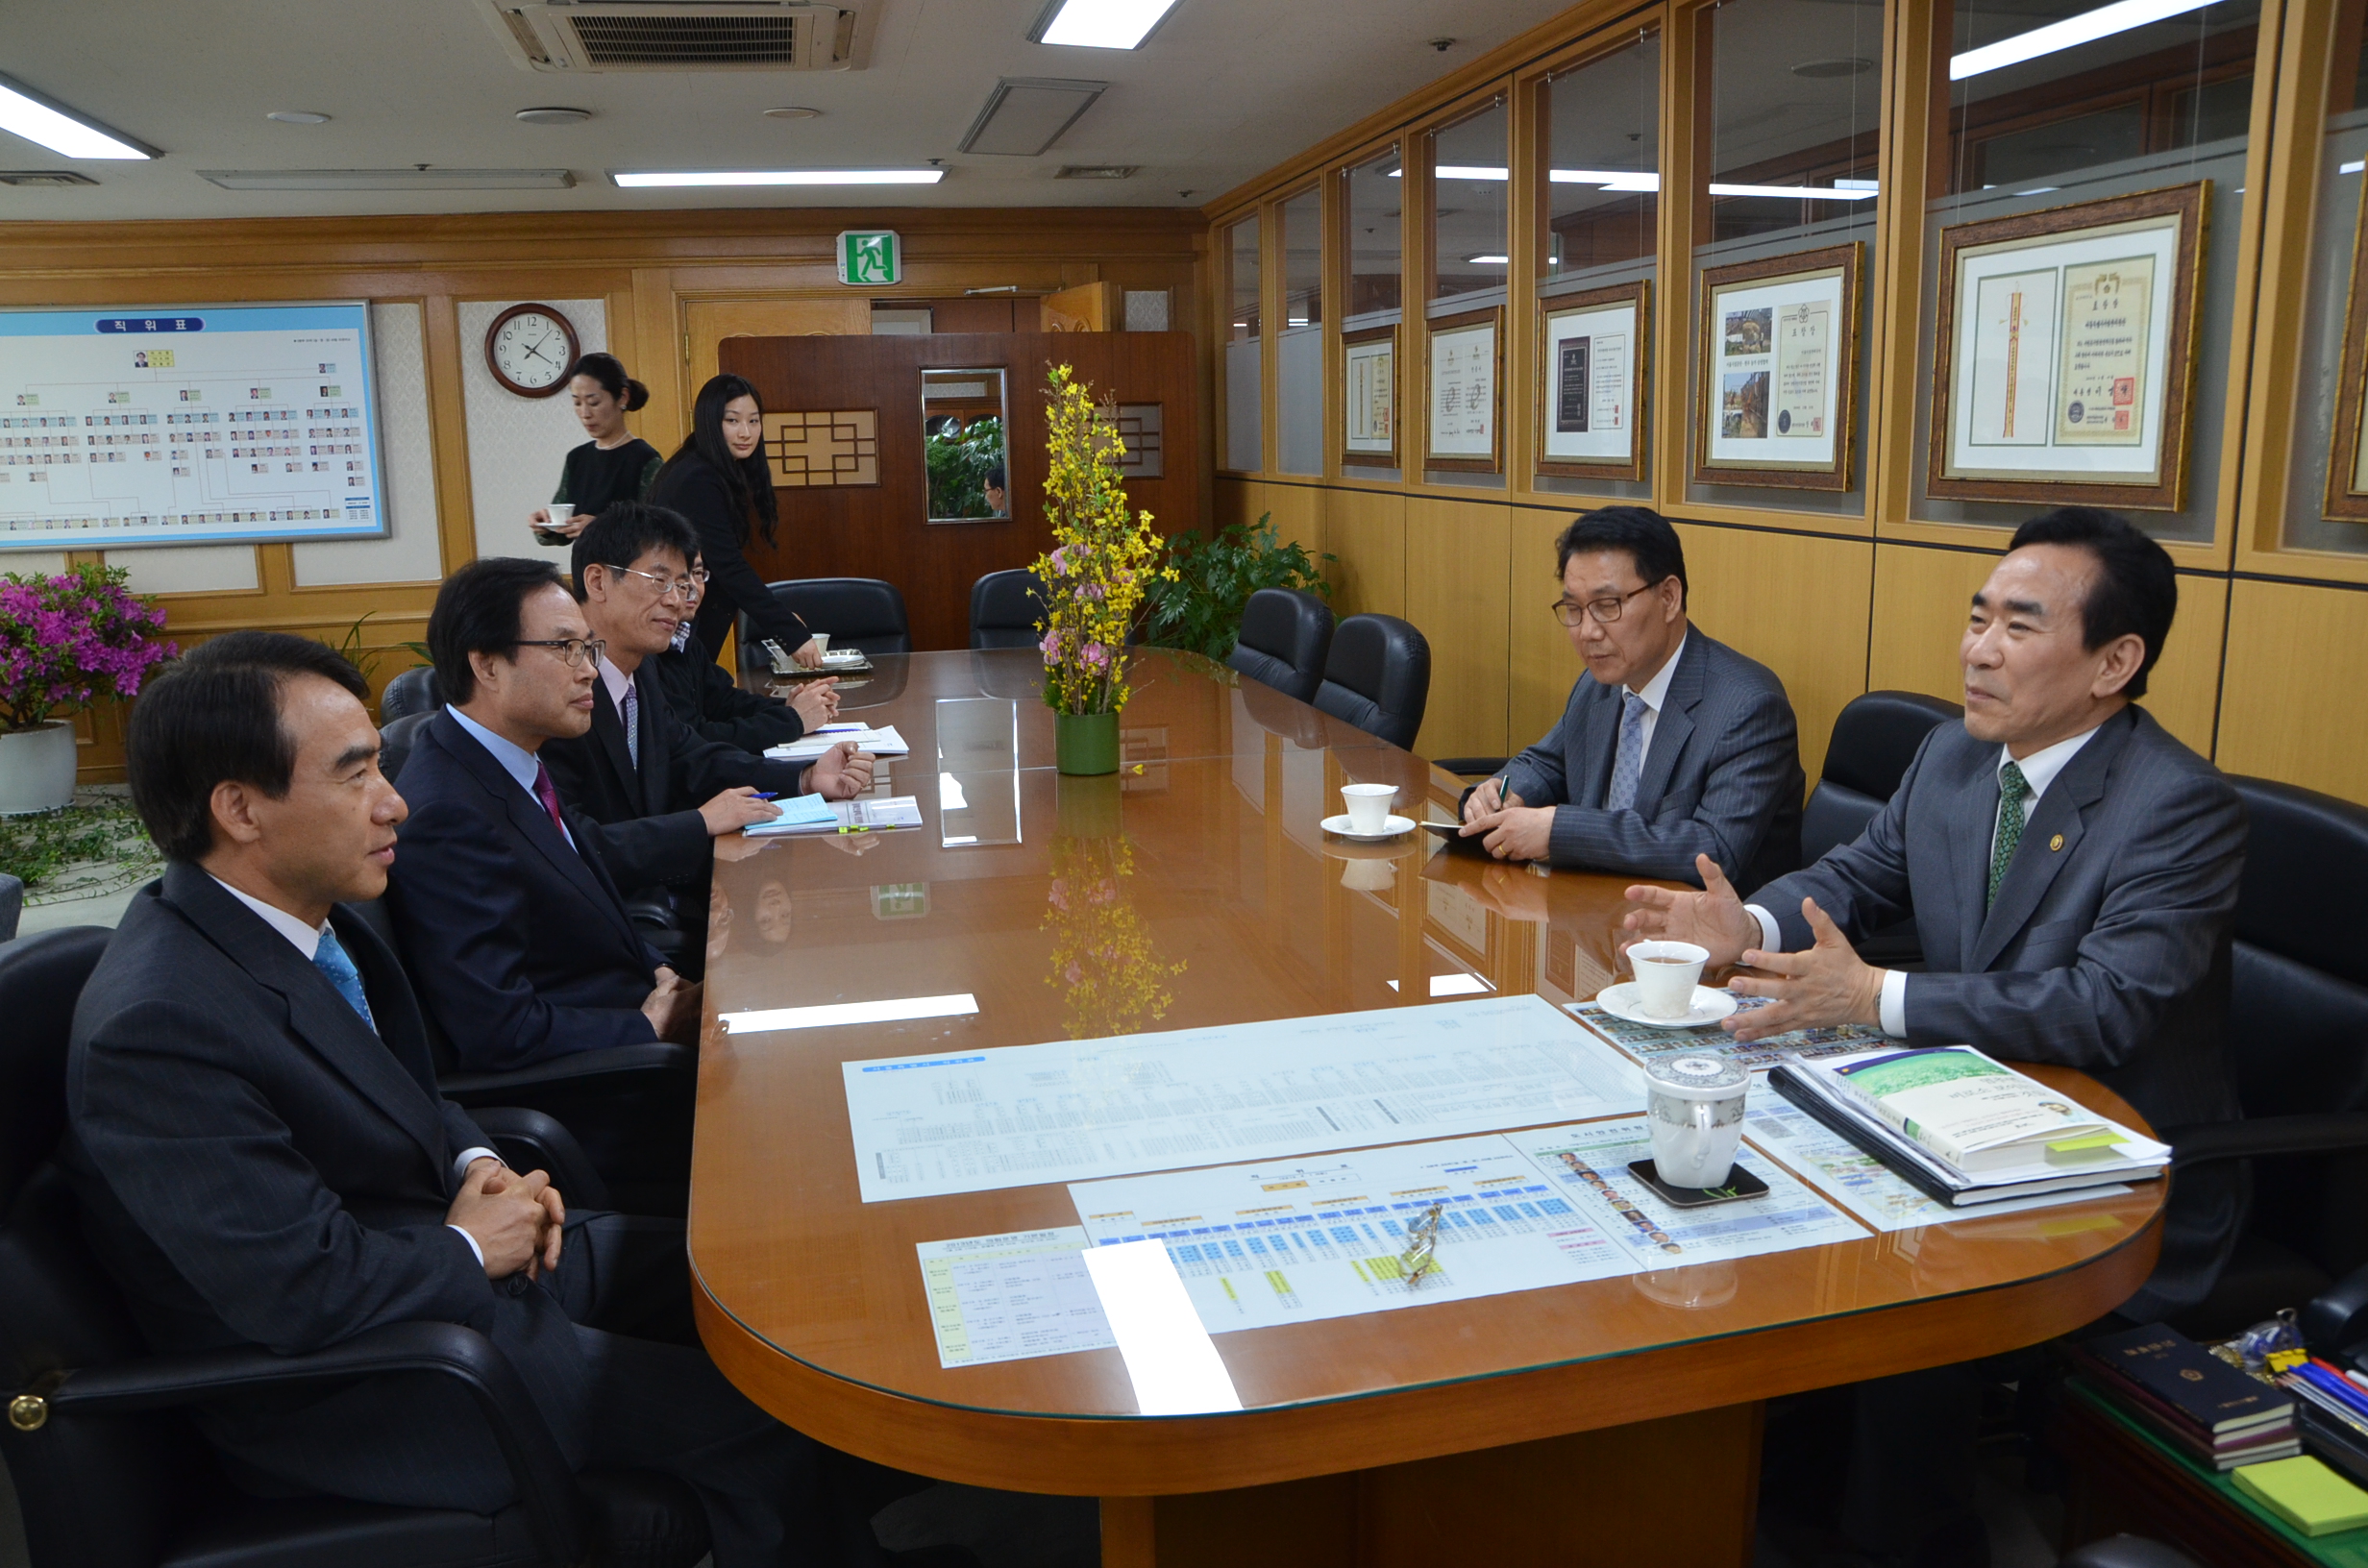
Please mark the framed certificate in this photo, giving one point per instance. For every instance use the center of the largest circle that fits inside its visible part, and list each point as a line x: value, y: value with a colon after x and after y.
x: 2346, y: 458
x: 1593, y: 365
x: 1368, y: 398
x: 1466, y: 414
x: 1776, y: 371
x: 2062, y: 364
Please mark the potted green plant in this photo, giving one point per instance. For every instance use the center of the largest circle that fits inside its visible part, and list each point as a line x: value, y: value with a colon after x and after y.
x: 67, y: 642
x: 1198, y: 603
x: 1103, y: 561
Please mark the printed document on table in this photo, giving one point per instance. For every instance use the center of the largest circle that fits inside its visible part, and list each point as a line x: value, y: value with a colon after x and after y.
x: 1002, y: 1298
x: 1589, y: 1165
x: 1068, y: 1111
x: 1643, y: 1041
x: 1296, y: 1239
x: 1862, y: 1183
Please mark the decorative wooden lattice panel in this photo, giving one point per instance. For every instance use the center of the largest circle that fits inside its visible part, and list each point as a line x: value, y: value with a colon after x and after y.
x: 824, y: 446
x: 1139, y: 425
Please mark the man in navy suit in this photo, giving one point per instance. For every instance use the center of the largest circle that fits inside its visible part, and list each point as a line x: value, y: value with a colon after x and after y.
x: 262, y: 1159
x: 1673, y: 744
x: 505, y: 912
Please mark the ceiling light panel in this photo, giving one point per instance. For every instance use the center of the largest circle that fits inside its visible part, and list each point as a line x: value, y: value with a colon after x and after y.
x: 389, y: 178
x: 2070, y: 34
x: 41, y: 120
x: 1099, y: 24
x: 1025, y: 114
x: 639, y: 179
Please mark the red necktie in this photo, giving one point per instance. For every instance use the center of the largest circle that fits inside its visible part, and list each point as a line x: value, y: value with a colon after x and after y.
x: 547, y: 794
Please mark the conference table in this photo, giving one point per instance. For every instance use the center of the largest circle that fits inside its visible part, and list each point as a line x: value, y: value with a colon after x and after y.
x: 1614, y: 1421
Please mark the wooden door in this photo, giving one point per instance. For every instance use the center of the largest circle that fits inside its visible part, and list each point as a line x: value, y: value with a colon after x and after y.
x: 708, y: 321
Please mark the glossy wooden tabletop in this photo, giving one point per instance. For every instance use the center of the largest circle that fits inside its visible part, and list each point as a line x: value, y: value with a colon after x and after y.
x: 1197, y: 889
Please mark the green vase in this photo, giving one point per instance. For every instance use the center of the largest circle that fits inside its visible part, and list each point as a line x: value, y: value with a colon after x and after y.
x: 1086, y: 744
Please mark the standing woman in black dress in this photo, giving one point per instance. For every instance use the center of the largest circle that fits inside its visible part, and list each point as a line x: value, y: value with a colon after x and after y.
x: 616, y: 464
x: 718, y: 479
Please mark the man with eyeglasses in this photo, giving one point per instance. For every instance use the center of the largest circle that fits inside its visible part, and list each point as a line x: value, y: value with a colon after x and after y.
x: 719, y: 708
x: 1677, y: 746
x: 640, y: 770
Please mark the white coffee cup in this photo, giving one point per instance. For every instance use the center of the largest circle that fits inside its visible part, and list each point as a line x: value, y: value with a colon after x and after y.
x: 1666, y: 973
x: 1369, y: 805
x: 1694, y: 1108
x: 560, y: 511
x: 821, y: 644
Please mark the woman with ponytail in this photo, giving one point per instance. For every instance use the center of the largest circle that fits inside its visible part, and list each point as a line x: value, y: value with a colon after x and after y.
x: 718, y: 479
x: 616, y: 464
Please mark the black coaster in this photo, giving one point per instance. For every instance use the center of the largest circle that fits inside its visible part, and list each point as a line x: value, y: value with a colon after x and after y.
x: 1740, y: 1183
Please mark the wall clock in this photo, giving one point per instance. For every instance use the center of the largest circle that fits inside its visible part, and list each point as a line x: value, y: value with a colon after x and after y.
x: 529, y: 348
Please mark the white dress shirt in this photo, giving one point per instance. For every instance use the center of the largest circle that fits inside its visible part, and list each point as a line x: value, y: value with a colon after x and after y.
x: 2039, y: 770
x: 307, y: 939
x: 516, y: 761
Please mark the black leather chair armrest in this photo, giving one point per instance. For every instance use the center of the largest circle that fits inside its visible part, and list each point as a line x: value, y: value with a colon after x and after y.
x: 1470, y: 767
x: 653, y: 1058
x: 545, y: 1487
x: 531, y: 1140
x: 2264, y: 1136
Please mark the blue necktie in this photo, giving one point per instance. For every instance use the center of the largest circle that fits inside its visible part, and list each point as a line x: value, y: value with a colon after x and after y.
x: 333, y: 960
x: 633, y: 725
x: 1628, y: 761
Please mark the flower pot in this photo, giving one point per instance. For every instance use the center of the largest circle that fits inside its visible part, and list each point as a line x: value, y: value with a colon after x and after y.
x: 36, y: 767
x: 1086, y: 744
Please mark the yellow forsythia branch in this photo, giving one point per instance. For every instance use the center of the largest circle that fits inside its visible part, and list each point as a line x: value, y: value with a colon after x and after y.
x: 1104, y: 557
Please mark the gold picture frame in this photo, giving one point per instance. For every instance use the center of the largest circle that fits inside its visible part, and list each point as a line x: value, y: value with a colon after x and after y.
x: 2087, y: 315
x: 1452, y: 350
x: 1369, y: 386
x: 1554, y: 382
x: 1776, y: 370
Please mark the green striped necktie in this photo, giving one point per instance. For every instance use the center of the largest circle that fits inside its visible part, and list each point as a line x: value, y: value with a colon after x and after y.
x: 2013, y: 791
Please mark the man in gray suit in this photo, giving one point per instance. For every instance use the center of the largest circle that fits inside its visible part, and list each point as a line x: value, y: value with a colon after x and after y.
x: 263, y: 1158
x: 2072, y: 872
x: 1673, y: 747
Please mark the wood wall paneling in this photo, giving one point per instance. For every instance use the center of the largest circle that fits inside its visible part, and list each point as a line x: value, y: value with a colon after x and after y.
x: 707, y: 323
x: 1367, y: 529
x: 2183, y: 690
x: 1920, y: 601
x: 880, y: 531
x: 1797, y: 604
x: 1458, y: 564
x: 1297, y: 513
x: 1544, y: 664
x: 2274, y: 721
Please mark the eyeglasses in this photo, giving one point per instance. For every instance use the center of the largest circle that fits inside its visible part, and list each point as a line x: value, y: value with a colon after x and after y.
x: 1605, y: 610
x: 679, y: 587
x: 573, y: 651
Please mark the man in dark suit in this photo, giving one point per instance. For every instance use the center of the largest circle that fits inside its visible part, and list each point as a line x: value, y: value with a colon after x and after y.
x: 263, y: 1158
x: 718, y: 707
x: 503, y: 909
x: 1673, y: 745
x: 640, y: 779
x: 2071, y: 868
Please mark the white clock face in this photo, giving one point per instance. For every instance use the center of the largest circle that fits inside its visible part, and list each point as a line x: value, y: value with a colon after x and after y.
x: 532, y: 350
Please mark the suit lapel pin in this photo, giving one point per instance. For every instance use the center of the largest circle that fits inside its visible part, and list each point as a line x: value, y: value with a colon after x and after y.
x: 2056, y: 842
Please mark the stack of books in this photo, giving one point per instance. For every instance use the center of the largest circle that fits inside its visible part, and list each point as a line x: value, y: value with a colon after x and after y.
x: 1962, y: 1128
x: 2332, y: 1406
x: 2196, y: 1402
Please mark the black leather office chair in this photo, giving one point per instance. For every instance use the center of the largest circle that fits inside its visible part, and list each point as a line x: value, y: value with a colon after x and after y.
x: 1295, y: 721
x: 2128, y: 1552
x: 1377, y: 677
x: 1875, y: 737
x: 629, y: 1107
x: 396, y: 740
x: 1286, y: 635
x: 414, y: 691
x: 854, y: 612
x: 107, y: 1469
x: 1006, y: 609
x: 2298, y: 1046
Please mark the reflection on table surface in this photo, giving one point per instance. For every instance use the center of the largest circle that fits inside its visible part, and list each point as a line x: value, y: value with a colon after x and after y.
x: 1194, y: 888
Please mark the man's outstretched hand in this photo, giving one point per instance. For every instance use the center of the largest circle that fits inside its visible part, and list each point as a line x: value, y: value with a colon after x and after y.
x: 1820, y: 987
x: 1714, y: 919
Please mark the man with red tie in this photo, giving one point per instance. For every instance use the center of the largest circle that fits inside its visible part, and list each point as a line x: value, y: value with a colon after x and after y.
x: 512, y: 929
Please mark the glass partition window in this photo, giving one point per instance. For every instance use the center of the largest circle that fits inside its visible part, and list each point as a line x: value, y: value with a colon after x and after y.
x: 962, y: 445
x: 1244, y: 372
x: 1298, y: 343
x: 1796, y: 92
x: 2326, y: 493
x: 1602, y: 127
x: 1468, y: 185
x: 1376, y: 246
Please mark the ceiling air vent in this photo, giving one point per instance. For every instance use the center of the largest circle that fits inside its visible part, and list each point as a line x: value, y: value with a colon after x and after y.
x: 603, y: 35
x: 45, y: 177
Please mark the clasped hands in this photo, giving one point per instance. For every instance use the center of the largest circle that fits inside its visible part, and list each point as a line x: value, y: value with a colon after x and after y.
x: 1818, y: 987
x: 515, y: 1220
x: 1514, y: 831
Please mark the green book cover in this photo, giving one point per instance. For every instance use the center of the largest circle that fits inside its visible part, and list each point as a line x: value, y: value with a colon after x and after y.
x: 2305, y: 1494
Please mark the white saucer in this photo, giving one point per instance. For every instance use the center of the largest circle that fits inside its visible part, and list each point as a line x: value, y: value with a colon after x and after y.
x: 1395, y: 827
x: 1709, y: 1006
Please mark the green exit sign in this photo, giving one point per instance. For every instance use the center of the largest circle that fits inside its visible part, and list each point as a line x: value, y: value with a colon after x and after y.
x: 870, y: 256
